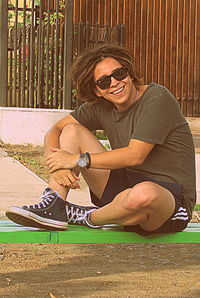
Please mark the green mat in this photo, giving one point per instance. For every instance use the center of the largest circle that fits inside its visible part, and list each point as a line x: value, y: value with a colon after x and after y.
x: 13, y: 233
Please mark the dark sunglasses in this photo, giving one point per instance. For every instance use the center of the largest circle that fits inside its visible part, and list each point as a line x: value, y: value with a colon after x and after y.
x: 119, y: 74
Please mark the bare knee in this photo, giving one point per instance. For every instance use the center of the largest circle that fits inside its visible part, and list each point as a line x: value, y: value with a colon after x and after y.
x: 70, y: 137
x: 142, y: 196
x: 76, y: 138
x: 71, y: 129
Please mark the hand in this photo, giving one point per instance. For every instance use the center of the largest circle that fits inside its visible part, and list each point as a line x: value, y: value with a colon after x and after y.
x: 61, y: 159
x: 66, y: 178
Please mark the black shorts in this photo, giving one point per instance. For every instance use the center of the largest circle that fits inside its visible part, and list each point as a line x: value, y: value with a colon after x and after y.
x: 122, y: 179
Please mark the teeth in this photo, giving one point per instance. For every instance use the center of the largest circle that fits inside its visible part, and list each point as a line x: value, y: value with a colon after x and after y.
x: 118, y: 91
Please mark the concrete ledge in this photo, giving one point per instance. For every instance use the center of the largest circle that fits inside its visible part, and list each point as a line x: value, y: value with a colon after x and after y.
x: 27, y: 126
x: 19, y: 186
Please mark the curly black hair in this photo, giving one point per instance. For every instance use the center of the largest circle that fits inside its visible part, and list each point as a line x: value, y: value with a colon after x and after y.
x: 82, y: 70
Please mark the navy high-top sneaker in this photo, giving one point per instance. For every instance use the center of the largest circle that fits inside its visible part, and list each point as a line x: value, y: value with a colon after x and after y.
x: 48, y: 214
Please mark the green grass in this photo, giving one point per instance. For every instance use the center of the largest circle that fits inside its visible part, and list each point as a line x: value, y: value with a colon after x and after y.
x: 33, y: 164
x: 100, y: 135
x: 197, y: 207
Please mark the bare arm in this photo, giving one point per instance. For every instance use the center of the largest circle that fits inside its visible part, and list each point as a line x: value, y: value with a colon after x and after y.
x: 134, y: 154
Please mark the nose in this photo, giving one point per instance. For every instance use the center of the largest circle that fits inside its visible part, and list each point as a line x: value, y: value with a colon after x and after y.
x: 114, y: 82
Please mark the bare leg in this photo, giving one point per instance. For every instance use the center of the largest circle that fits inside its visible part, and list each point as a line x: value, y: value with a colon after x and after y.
x: 147, y: 204
x: 77, y: 139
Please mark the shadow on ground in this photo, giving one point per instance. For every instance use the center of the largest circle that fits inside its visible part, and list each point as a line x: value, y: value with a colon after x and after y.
x: 100, y: 270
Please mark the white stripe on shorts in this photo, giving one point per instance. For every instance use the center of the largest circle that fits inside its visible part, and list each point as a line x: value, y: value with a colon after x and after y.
x: 181, y: 214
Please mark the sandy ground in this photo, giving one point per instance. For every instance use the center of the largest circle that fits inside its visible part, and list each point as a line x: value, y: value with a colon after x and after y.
x: 99, y: 270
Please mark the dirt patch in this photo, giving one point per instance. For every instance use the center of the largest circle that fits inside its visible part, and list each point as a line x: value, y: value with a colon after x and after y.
x: 30, y: 156
x: 100, y: 270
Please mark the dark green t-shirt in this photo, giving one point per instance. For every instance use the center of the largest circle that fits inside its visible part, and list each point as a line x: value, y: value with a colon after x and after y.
x: 155, y: 118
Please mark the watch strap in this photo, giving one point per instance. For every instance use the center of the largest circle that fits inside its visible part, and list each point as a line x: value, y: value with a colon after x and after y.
x: 87, y: 158
x: 87, y: 154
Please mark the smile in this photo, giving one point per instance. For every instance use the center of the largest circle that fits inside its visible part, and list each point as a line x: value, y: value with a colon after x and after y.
x: 118, y: 91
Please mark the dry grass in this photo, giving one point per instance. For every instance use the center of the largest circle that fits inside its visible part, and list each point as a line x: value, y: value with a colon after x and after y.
x: 30, y: 156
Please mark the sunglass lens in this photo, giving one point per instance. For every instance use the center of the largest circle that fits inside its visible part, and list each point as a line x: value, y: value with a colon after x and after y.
x: 104, y: 83
x: 119, y: 74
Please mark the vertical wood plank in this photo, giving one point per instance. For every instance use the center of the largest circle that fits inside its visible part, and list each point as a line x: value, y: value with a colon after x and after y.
x: 56, y: 65
x: 196, y: 108
x: 68, y: 31
x: 32, y: 87
x: 3, y: 52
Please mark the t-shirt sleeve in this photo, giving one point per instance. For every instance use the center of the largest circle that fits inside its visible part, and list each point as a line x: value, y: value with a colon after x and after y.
x: 88, y: 116
x: 157, y: 118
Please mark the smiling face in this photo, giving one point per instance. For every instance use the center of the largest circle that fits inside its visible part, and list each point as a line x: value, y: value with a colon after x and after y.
x: 121, y: 93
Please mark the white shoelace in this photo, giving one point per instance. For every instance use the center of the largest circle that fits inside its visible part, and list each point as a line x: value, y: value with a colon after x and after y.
x: 46, y: 199
x: 76, y: 215
x: 80, y: 216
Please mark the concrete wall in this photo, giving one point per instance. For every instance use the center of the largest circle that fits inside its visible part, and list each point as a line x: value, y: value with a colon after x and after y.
x: 27, y: 126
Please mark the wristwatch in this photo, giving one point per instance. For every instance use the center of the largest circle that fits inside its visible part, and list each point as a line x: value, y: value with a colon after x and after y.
x: 84, y: 160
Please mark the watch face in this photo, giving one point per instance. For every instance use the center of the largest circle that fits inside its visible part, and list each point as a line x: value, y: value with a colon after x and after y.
x: 82, y: 163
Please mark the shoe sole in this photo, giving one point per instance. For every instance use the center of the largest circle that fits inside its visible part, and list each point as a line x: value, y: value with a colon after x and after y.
x: 29, y: 219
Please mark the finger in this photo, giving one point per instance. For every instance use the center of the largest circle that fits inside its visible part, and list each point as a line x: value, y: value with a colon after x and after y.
x: 50, y: 165
x: 68, y: 184
x: 57, y: 178
x: 50, y: 156
x: 75, y: 176
x: 54, y: 149
x: 54, y: 168
x: 55, y: 165
x: 66, y: 177
x: 75, y: 184
x: 72, y: 178
x: 63, y: 182
x: 58, y: 181
x: 51, y: 162
x: 72, y: 182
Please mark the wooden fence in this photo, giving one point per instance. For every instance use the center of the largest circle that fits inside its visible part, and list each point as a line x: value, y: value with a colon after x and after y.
x: 42, y: 43
x: 162, y: 35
